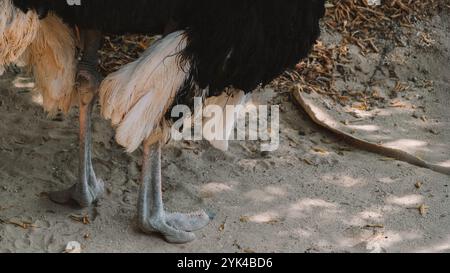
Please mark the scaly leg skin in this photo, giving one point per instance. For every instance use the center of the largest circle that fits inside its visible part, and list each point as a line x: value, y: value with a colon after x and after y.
x: 89, y: 188
x: 175, y: 227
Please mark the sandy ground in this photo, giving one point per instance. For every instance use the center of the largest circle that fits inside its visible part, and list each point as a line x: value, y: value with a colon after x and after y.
x: 297, y: 199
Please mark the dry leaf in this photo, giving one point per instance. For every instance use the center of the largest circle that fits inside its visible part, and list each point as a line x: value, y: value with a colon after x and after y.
x: 375, y: 226
x: 222, y: 226
x: 398, y: 104
x: 360, y: 106
x: 423, y: 209
x: 419, y: 185
x: 244, y: 219
x: 84, y: 219
x: 248, y: 251
x: 309, y: 162
x: 22, y: 224
x: 320, y: 150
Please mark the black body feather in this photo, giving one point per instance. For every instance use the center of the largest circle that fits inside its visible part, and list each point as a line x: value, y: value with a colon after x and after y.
x: 238, y: 43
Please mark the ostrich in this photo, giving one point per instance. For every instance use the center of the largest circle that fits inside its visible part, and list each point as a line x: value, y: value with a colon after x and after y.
x: 205, y: 45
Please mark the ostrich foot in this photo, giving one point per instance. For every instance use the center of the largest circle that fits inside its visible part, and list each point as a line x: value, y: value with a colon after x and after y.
x: 84, y: 197
x: 172, y: 235
x: 174, y: 227
x: 188, y: 221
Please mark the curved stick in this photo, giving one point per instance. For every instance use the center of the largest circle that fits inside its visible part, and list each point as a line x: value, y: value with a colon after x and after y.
x: 397, y: 154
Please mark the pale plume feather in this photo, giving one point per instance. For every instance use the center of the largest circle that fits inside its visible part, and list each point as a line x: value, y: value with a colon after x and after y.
x: 47, y: 49
x: 51, y: 59
x: 17, y: 31
x: 137, y: 96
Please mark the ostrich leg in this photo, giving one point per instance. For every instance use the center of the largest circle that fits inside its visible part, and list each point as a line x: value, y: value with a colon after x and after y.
x: 175, y: 227
x: 89, y: 188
